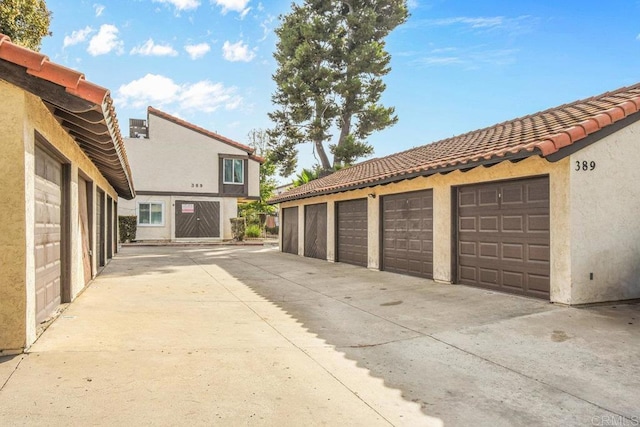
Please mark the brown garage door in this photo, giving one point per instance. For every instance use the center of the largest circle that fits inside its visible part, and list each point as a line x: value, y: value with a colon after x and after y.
x: 48, y: 232
x: 407, y: 228
x: 503, y: 236
x: 315, y: 231
x: 197, y: 219
x: 290, y: 230
x: 351, y: 233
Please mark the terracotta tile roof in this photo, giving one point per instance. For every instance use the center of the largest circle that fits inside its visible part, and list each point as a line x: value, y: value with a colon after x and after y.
x: 205, y: 132
x: 542, y: 134
x: 85, y: 110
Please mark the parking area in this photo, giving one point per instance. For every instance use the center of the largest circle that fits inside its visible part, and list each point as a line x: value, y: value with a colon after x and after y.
x: 249, y: 335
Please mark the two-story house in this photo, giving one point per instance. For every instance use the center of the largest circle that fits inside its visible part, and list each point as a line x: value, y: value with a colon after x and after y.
x: 189, y: 180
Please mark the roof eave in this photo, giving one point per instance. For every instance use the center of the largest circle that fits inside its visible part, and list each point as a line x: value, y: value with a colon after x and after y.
x: 398, y: 177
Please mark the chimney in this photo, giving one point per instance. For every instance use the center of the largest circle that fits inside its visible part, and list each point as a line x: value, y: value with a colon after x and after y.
x: 138, y: 128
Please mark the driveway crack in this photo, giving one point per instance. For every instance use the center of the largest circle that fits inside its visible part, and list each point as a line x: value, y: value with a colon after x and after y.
x: 12, y: 372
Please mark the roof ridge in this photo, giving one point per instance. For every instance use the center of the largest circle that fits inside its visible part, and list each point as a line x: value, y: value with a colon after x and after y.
x: 201, y: 130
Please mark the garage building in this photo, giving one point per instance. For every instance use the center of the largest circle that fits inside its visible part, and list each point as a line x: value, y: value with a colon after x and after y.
x: 63, y: 168
x: 544, y: 206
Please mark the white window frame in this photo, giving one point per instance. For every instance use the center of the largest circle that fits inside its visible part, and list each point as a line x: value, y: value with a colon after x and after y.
x: 150, y: 203
x: 224, y: 166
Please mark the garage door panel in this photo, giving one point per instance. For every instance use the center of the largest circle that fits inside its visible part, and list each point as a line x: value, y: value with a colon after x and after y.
x: 538, y: 253
x: 538, y: 223
x: 513, y: 251
x: 513, y: 257
x: 467, y: 248
x: 538, y: 283
x: 468, y: 272
x: 488, y: 276
x: 408, y: 233
x: 467, y: 224
x: 488, y: 250
x: 488, y: 198
x: 467, y: 199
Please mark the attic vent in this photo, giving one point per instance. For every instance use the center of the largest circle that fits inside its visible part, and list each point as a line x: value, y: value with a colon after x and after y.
x: 138, y: 128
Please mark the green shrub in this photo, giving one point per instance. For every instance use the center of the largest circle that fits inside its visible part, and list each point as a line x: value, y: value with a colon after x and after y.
x: 254, y: 231
x: 128, y: 226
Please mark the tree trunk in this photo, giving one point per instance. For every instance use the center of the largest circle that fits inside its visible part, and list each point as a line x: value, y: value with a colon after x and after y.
x: 344, y: 131
x: 323, y: 155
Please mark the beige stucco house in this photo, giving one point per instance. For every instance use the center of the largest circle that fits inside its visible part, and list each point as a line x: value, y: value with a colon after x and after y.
x: 545, y: 205
x: 189, y: 180
x: 63, y: 169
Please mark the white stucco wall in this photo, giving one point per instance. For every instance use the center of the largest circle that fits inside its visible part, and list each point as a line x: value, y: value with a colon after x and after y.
x: 177, y: 159
x: 254, y: 178
x: 605, y: 224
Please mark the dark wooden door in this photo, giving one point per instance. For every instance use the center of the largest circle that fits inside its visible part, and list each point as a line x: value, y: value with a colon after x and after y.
x: 503, y: 236
x: 315, y: 231
x: 197, y: 219
x: 290, y: 230
x: 407, y: 228
x: 351, y: 232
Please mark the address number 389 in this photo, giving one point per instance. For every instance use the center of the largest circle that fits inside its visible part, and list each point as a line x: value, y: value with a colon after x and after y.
x: 585, y: 165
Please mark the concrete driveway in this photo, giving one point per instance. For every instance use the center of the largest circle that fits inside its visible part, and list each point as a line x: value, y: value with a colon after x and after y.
x: 247, y: 335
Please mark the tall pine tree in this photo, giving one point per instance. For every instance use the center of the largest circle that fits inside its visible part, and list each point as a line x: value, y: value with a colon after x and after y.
x: 331, y: 59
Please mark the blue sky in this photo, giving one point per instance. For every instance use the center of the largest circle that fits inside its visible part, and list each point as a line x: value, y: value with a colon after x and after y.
x: 457, y: 65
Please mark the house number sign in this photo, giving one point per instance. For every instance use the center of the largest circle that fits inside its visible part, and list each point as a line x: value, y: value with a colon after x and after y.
x: 585, y: 165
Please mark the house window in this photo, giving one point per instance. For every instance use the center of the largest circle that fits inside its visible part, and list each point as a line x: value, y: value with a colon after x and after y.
x: 233, y: 171
x: 150, y: 214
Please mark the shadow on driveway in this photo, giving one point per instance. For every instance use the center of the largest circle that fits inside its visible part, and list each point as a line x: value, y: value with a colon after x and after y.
x: 466, y: 355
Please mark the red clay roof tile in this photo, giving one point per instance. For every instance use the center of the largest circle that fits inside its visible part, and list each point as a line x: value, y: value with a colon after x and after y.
x: 542, y: 133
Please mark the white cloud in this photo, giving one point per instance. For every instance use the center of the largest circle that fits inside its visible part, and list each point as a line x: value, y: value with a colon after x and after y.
x: 235, y: 5
x: 514, y: 26
x: 237, y: 52
x: 495, y: 21
x: 638, y: 37
x: 196, y: 51
x: 149, y: 48
x: 412, y: 4
x: 181, y: 4
x: 244, y: 12
x: 105, y: 41
x: 208, y: 97
x: 78, y: 36
x: 470, y: 58
x: 267, y: 27
x: 150, y: 89
x: 99, y: 9
x: 158, y: 90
